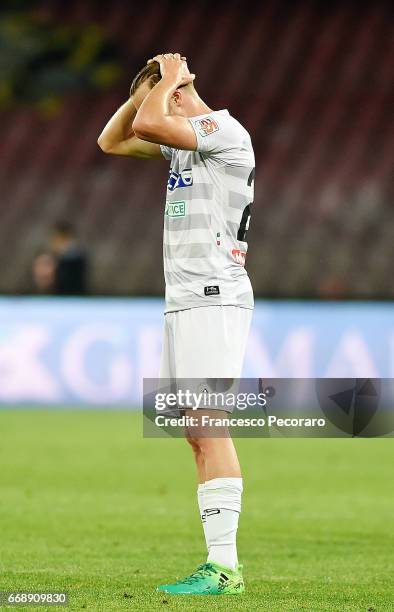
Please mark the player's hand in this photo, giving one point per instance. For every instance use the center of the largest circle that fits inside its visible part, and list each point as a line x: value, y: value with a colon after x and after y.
x: 174, y: 68
x: 183, y: 58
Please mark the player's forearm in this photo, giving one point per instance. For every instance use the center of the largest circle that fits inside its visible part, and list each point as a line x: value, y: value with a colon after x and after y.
x: 119, y: 127
x: 153, y: 113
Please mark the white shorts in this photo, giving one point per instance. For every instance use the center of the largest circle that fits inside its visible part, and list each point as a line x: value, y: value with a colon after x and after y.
x: 205, y: 342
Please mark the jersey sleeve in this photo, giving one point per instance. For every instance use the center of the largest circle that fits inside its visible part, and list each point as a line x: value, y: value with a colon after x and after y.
x: 221, y: 137
x: 166, y: 152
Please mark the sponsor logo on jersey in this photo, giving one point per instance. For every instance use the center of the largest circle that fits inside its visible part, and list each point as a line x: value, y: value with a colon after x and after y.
x: 239, y: 256
x: 175, y: 209
x: 207, y: 126
x: 212, y: 290
x: 181, y: 179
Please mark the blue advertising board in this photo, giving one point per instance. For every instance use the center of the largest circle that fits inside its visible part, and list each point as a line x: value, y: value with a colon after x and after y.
x: 96, y: 351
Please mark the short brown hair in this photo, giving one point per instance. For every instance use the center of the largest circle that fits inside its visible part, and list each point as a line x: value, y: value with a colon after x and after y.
x: 150, y: 72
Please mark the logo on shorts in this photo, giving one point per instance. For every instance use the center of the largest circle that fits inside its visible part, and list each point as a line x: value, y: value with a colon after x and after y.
x: 175, y: 209
x: 212, y: 290
x: 207, y: 126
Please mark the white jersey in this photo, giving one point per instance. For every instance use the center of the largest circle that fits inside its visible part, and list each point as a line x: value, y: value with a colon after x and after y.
x: 207, y: 212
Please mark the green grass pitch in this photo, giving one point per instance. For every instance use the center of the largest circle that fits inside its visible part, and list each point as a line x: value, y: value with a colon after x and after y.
x: 89, y: 506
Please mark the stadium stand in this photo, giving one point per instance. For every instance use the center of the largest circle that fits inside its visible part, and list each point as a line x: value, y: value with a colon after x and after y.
x: 313, y: 83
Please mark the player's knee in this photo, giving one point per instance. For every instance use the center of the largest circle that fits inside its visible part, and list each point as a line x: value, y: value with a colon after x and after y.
x: 194, y: 444
x: 201, y: 443
x: 207, y: 444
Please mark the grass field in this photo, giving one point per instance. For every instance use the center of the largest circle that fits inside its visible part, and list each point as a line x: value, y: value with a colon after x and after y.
x: 89, y: 506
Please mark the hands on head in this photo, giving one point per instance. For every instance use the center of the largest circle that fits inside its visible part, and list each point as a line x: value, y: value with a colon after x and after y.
x: 173, y: 67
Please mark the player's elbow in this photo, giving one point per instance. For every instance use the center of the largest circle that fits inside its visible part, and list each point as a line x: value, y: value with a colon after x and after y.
x: 144, y: 130
x: 140, y: 128
x: 104, y: 144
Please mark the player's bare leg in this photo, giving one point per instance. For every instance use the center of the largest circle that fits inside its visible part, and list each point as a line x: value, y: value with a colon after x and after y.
x: 220, y: 458
x: 220, y: 488
x: 214, y: 458
x: 198, y: 458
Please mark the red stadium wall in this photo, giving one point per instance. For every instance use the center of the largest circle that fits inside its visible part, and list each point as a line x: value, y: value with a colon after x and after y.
x: 314, y: 87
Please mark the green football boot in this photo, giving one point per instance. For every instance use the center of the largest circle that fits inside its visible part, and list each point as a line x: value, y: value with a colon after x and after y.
x: 208, y: 579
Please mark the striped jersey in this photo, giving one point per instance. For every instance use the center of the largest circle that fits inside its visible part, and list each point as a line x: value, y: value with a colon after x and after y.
x: 206, y: 217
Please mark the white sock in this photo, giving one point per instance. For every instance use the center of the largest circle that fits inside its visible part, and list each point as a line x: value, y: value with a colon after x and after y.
x: 222, y: 505
x: 200, y: 497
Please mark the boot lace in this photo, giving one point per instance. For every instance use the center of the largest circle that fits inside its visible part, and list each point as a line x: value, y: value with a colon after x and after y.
x: 206, y: 569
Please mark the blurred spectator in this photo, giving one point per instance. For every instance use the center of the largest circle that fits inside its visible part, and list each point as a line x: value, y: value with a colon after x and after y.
x: 332, y: 288
x: 44, y: 272
x: 71, y: 261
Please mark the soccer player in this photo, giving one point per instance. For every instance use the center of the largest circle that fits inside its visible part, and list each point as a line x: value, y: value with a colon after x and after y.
x: 209, y: 299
